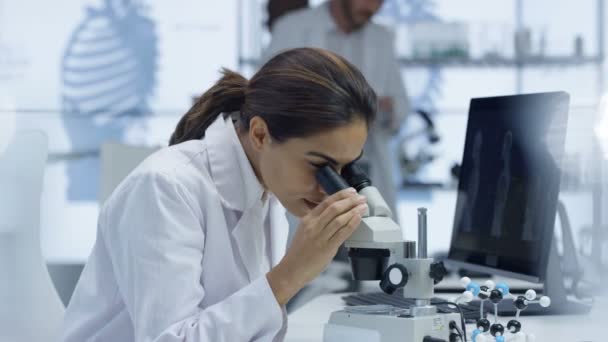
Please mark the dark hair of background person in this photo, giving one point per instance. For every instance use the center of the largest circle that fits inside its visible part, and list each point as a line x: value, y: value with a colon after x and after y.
x: 298, y: 93
x: 278, y: 8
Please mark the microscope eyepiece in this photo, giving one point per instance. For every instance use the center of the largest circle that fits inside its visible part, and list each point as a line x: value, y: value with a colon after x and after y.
x: 354, y: 175
x: 330, y: 180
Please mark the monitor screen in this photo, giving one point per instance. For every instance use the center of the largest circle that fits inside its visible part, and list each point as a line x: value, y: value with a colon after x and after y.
x: 509, y: 184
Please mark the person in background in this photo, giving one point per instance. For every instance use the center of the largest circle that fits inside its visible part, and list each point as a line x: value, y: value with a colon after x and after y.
x: 278, y: 8
x: 345, y: 27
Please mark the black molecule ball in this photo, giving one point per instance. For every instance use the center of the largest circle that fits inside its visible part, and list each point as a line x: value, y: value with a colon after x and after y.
x: 521, y: 302
x: 497, y: 329
x: 482, y: 294
x: 483, y: 324
x: 514, y: 326
x: 495, y: 296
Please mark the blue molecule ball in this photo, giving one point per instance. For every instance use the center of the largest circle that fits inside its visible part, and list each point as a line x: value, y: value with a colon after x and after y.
x: 504, y: 288
x: 474, y: 288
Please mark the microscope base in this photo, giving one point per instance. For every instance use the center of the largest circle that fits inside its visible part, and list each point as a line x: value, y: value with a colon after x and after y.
x: 359, y: 327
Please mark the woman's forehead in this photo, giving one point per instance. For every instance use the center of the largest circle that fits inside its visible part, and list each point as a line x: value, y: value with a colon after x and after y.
x: 344, y: 144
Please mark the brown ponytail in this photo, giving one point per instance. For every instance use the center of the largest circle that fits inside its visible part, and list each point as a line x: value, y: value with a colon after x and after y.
x: 298, y: 93
x: 226, y: 95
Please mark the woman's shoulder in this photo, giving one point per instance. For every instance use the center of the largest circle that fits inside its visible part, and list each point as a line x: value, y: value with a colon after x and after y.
x: 179, y: 160
x: 184, y: 166
x: 172, y: 186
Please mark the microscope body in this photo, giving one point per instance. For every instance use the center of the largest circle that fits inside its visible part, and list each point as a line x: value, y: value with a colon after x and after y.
x: 380, y: 323
x: 377, y: 251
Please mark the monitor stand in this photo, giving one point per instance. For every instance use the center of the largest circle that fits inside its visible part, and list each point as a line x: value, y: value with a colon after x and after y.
x: 554, y: 280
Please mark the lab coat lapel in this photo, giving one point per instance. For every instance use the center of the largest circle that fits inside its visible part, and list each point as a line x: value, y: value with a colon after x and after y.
x: 239, y: 189
x: 247, y: 235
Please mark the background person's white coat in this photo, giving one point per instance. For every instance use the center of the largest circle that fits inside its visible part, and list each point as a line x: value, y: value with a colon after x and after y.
x: 182, y: 250
x: 372, y: 50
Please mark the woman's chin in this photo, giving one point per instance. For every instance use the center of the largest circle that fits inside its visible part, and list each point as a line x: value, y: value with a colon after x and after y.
x: 309, y: 205
x: 301, y: 208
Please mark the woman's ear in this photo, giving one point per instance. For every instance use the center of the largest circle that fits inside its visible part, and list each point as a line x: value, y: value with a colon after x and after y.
x: 258, y: 132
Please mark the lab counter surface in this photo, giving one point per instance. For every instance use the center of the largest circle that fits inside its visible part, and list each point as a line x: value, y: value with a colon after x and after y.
x: 306, y: 324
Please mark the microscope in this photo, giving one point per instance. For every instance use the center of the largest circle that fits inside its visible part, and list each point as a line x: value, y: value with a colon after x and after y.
x: 377, y: 251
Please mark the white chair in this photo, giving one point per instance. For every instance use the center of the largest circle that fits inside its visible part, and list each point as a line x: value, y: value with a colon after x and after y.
x: 30, y: 309
x: 117, y: 161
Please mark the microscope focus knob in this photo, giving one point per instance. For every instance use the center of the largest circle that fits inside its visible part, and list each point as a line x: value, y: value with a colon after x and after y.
x: 438, y: 271
x: 394, y: 278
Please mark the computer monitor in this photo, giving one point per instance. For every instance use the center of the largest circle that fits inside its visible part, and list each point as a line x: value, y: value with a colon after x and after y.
x: 508, y: 191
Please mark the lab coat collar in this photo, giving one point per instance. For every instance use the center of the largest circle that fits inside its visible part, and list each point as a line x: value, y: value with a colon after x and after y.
x: 231, y: 170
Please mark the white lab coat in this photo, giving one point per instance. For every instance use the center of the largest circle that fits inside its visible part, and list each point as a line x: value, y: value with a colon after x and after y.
x: 376, y: 59
x: 181, y: 251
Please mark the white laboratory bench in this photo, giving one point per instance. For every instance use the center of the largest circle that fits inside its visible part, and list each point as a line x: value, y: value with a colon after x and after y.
x: 306, y: 324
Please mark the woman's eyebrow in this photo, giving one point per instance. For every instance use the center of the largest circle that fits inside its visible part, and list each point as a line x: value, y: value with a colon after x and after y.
x: 330, y: 159
x: 359, y: 157
x: 324, y: 156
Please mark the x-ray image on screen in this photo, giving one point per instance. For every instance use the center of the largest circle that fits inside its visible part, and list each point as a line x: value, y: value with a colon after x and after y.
x: 503, y: 186
x: 473, y: 184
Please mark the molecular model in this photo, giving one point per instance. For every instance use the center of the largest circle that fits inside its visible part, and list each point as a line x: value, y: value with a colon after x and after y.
x: 495, y: 332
